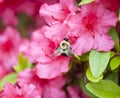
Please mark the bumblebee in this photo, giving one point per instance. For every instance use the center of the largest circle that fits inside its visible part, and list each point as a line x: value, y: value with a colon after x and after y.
x: 64, y: 48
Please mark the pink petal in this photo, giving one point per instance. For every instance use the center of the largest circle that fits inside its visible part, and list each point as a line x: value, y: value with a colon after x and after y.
x: 83, y: 44
x: 52, y: 16
x: 103, y: 42
x: 57, y: 32
x: 53, y: 69
x: 51, y: 92
x: 109, y: 18
x: 37, y: 54
x: 9, y: 91
x: 31, y: 91
x: 58, y: 80
x: 9, y: 17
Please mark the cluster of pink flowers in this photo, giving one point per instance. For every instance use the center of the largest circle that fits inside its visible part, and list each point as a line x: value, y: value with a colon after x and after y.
x: 10, y: 42
x: 85, y: 27
x: 11, y: 9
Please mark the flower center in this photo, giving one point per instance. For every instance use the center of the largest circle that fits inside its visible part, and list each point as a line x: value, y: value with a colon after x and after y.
x: 50, y: 49
x: 7, y: 46
x: 89, y: 22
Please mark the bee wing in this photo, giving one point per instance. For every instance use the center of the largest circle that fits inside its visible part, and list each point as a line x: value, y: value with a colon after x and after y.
x: 57, y: 52
x: 67, y: 52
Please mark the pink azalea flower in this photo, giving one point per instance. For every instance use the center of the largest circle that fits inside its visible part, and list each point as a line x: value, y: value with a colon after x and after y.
x: 52, y: 89
x: 41, y: 51
x: 9, y: 17
x: 12, y: 4
x: 48, y: 88
x: 92, y: 26
x: 32, y: 7
x: 112, y: 5
x: 28, y: 77
x: 27, y: 91
x: 9, y: 44
x: 57, y: 32
x: 62, y: 11
x: 27, y: 7
x: 87, y: 30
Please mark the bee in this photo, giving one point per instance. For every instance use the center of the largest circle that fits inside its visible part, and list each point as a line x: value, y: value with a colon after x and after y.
x: 64, y: 48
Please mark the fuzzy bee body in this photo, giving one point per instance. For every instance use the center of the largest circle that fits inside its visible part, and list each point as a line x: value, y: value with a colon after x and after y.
x: 64, y: 48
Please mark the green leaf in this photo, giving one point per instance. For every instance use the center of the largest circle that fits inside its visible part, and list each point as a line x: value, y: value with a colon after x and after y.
x: 85, y: 2
x: 115, y: 37
x: 113, y: 77
x: 98, y: 62
x: 11, y: 78
x: 104, y: 89
x: 115, y: 62
x: 112, y: 54
x: 22, y: 63
x: 91, y: 78
x: 84, y: 89
x: 84, y: 57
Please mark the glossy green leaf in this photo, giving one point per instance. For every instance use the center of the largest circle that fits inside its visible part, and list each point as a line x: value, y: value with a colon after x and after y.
x: 91, y: 78
x: 22, y: 63
x: 85, y: 2
x: 115, y: 37
x: 98, y: 62
x: 104, y: 89
x: 11, y: 78
x: 114, y: 63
